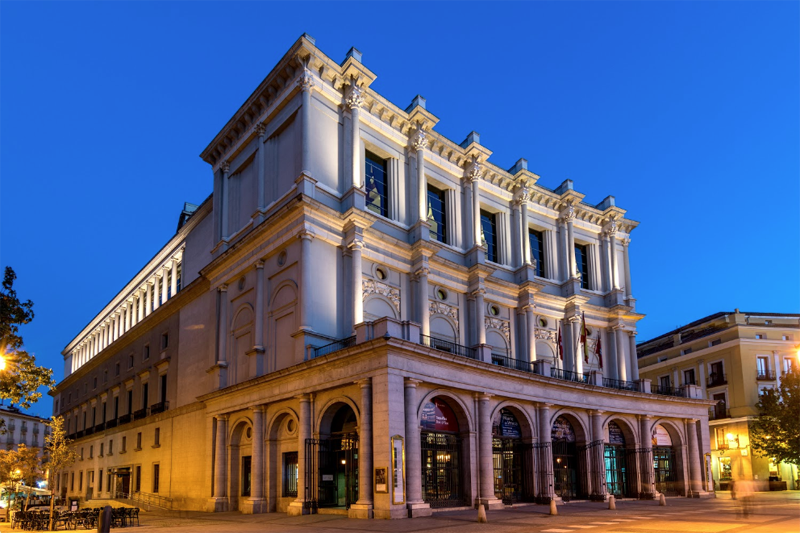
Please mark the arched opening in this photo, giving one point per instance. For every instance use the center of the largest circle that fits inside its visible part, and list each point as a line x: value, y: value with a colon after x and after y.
x: 616, y: 464
x: 441, y: 448
x: 336, y: 457
x: 665, y: 462
x: 569, y: 465
x: 282, y: 459
x: 511, y: 458
x: 240, y: 461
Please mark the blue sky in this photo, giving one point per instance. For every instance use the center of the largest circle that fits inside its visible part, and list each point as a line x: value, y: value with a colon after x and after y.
x: 686, y: 112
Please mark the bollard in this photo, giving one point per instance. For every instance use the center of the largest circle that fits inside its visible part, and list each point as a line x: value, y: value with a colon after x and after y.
x: 662, y: 500
x: 482, y: 514
x: 612, y: 503
x: 104, y: 520
x: 553, y: 508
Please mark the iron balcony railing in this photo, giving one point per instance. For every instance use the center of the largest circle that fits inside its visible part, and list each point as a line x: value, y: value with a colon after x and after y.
x: 159, y: 407
x: 715, y: 380
x: 100, y: 427
x: 620, y: 384
x: 667, y: 391
x: 335, y: 346
x: 769, y: 375
x: 447, y: 346
x: 510, y: 362
x: 141, y: 413
x: 111, y: 424
x: 124, y: 419
x: 568, y: 375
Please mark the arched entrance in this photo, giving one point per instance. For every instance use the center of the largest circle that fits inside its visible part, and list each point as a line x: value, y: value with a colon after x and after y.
x: 336, y: 454
x: 664, y: 462
x: 441, y: 448
x: 615, y: 462
x: 510, y: 458
x: 240, y: 461
x: 569, y: 469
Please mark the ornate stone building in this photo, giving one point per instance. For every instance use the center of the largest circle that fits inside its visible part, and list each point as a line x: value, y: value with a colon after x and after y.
x: 366, y: 316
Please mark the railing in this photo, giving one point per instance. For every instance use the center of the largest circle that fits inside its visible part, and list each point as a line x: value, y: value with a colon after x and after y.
x: 100, y: 427
x: 667, y: 391
x: 159, y: 407
x: 510, y: 362
x: 141, y: 413
x: 769, y: 375
x: 89, y: 430
x: 334, y: 346
x: 80, y: 433
x: 568, y: 375
x: 715, y: 380
x: 620, y: 384
x: 111, y: 424
x: 718, y: 412
x: 145, y: 498
x: 124, y: 419
x: 447, y: 346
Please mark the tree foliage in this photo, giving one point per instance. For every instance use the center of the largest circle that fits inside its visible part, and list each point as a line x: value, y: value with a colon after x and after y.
x: 21, y: 378
x: 776, y: 431
x: 24, y: 466
x: 60, y: 455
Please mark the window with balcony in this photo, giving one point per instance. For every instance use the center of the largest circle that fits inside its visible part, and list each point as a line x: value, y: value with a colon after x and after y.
x: 716, y: 375
x: 688, y: 377
x: 664, y: 382
x: 376, y: 184
x: 489, y: 235
x: 437, y: 214
x: 762, y: 367
x: 536, y: 239
x: 582, y: 263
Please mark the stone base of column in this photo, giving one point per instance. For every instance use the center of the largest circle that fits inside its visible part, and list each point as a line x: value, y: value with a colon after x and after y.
x: 418, y: 509
x: 571, y: 287
x: 254, y: 506
x: 355, y: 199
x: 490, y: 503
x: 360, y: 510
x: 421, y: 231
x: 701, y: 494
x: 217, y: 505
x: 615, y: 297
x: 297, y: 508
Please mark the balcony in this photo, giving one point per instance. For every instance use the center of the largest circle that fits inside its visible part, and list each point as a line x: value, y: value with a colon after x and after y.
x: 568, y: 375
x: 510, y: 362
x: 768, y: 375
x: 447, y: 346
x: 111, y: 424
x: 124, y: 419
x: 100, y: 427
x: 334, y: 346
x: 159, y: 407
x: 89, y: 430
x: 668, y: 391
x: 717, y: 379
x: 620, y: 385
x: 141, y: 413
x: 718, y: 412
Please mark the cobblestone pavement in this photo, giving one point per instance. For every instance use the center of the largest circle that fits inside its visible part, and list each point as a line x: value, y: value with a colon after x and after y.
x: 770, y: 513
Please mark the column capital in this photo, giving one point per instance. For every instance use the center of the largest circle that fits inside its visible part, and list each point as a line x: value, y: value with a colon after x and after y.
x: 225, y: 166
x: 260, y: 264
x: 354, y: 97
x: 632, y: 333
x: 482, y: 396
x: 473, y: 171
x: 357, y: 244
x: 625, y: 241
x: 411, y: 383
x: 478, y: 292
x: 568, y: 214
x: 306, y: 234
x: 543, y: 405
x: 261, y: 408
x: 222, y: 288
x: 419, y: 140
x: 223, y: 417
x: 618, y: 327
x: 522, y: 197
x: 304, y: 398
x: 596, y: 412
x: 692, y: 420
x: 422, y: 271
x: 306, y: 81
x: 610, y: 229
x: 364, y: 383
x: 260, y: 129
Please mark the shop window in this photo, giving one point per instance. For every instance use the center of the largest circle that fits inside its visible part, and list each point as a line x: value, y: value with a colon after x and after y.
x: 290, y: 474
x: 725, y: 468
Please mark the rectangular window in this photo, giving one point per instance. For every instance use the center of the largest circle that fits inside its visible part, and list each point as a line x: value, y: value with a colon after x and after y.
x: 788, y: 364
x: 94, y: 383
x: 760, y: 336
x: 91, y: 451
x: 536, y: 239
x: 111, y: 447
x: 290, y: 474
x: 116, y: 369
x: 376, y: 184
x: 108, y: 480
x: 164, y: 341
x: 664, y: 382
x: 102, y: 444
x: 715, y: 342
x: 130, y: 361
x: 81, y: 454
x: 437, y: 215
x: 163, y: 388
x: 247, y: 472
x: 688, y: 377
x: 786, y: 337
x: 146, y: 352
x: 80, y: 481
x: 138, y: 482
x: 130, y: 402
x: 157, y: 438
x: 489, y: 235
x: 762, y: 366
x: 582, y: 264
x: 764, y: 390
x: 124, y: 444
x: 104, y: 412
x: 72, y: 482
x: 156, y: 469
x: 145, y: 394
x: 100, y: 481
x: 139, y: 441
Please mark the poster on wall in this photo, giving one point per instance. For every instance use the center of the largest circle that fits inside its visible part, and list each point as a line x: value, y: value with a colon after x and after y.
x: 505, y: 425
x: 398, y: 471
x: 437, y: 416
x: 615, y: 435
x: 381, y: 480
x: 661, y: 437
x: 562, y: 429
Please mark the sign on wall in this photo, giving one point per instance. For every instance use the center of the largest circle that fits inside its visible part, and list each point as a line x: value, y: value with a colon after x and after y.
x: 661, y: 437
x: 505, y: 424
x: 437, y: 416
x: 562, y: 429
x: 615, y: 435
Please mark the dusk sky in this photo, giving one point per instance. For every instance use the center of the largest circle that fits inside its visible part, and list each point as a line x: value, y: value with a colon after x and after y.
x: 686, y: 112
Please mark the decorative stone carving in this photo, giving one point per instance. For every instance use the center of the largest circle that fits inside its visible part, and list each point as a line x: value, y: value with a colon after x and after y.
x: 440, y: 308
x: 260, y: 129
x: 355, y: 96
x: 568, y: 214
x: 474, y: 171
x: 371, y: 286
x: 225, y: 166
x: 306, y: 81
x: 611, y: 228
x: 545, y: 335
x: 419, y: 140
x: 523, y: 196
x: 499, y: 324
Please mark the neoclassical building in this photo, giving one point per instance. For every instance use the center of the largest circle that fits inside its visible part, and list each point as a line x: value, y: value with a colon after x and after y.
x: 366, y: 317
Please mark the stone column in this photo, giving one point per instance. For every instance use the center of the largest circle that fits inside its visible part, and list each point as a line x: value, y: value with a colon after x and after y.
x: 354, y: 100
x: 569, y: 217
x: 413, y: 446
x: 524, y: 232
x: 473, y: 177
x: 306, y: 236
x: 358, y: 299
x: 363, y: 506
x: 423, y: 309
x: 599, y: 480
x: 577, y: 349
x: 597, y: 426
x: 480, y: 318
x: 174, y: 280
x: 155, y: 291
x: 622, y: 360
x: 546, y: 454
x: 257, y: 502
x: 530, y: 322
x: 140, y: 305
x: 226, y: 167
x: 634, y: 358
x: 259, y: 325
x: 647, y: 476
x: 221, y: 460
x: 148, y: 305
x: 128, y: 308
x: 261, y: 191
x: 164, y: 280
x: 611, y: 232
x: 695, y: 466
x: 627, y: 268
x: 297, y: 507
x: 306, y: 84
x: 223, y: 324
x: 485, y: 452
x: 419, y: 142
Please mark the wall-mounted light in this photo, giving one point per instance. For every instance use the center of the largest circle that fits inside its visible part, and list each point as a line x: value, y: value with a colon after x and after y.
x: 733, y: 440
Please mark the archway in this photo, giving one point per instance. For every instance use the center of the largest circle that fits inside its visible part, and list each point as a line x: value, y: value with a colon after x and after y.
x: 441, y: 449
x: 665, y: 462
x: 334, y: 456
x: 240, y: 463
x: 511, y: 457
x: 569, y: 464
x: 619, y: 477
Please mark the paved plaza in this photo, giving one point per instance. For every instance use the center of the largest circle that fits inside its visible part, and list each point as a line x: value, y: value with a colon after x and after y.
x: 771, y: 513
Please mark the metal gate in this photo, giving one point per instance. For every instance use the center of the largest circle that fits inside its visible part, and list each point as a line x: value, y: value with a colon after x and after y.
x: 441, y: 469
x: 569, y: 470
x: 641, y: 459
x: 593, y: 453
x: 332, y: 471
x: 664, y: 470
x: 617, y: 471
x: 542, y: 457
x: 509, y: 462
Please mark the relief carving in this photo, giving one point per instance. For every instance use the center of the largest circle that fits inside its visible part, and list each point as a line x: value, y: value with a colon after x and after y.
x: 439, y: 308
x: 371, y: 286
x: 496, y: 323
x: 545, y: 335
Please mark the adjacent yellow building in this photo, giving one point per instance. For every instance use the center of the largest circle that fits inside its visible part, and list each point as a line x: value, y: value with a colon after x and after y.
x: 734, y: 357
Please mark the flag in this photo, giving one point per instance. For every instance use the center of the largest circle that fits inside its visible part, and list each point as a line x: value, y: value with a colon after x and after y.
x: 598, y: 350
x: 560, y: 344
x: 583, y: 338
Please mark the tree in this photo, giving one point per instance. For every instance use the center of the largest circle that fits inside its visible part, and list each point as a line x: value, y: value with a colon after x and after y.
x: 21, y: 378
x: 60, y: 455
x: 23, y: 465
x: 776, y: 431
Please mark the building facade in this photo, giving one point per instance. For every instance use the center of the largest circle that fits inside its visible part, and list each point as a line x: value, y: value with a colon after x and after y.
x: 734, y: 357
x: 20, y: 428
x: 368, y: 316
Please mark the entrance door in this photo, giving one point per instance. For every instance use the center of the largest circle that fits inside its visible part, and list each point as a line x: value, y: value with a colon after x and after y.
x: 664, y: 465
x: 508, y: 457
x: 565, y: 466
x: 616, y: 471
x: 124, y: 481
x: 338, y: 470
x: 441, y: 472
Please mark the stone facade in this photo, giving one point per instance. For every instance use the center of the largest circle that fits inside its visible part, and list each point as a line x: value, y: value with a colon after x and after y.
x: 20, y: 428
x: 364, y: 315
x: 733, y: 357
